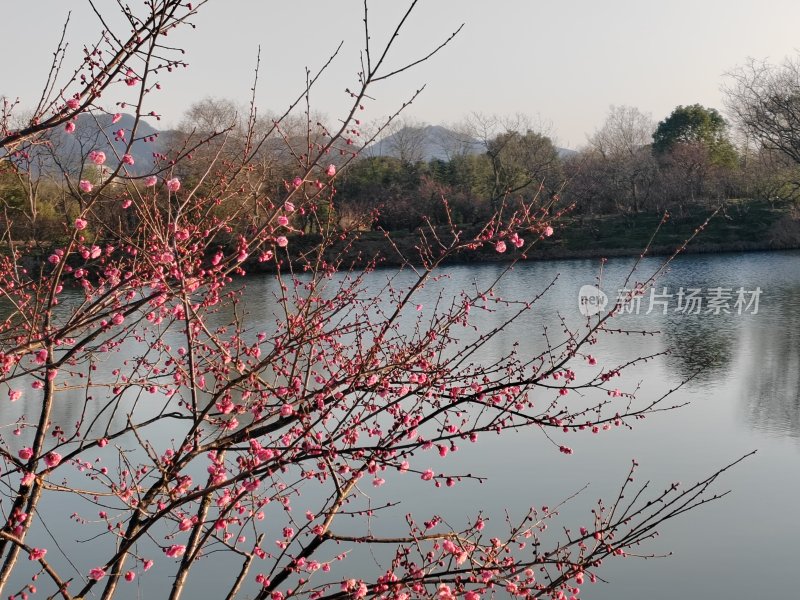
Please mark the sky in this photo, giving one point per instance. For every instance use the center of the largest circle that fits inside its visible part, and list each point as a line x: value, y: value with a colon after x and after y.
x: 562, y: 63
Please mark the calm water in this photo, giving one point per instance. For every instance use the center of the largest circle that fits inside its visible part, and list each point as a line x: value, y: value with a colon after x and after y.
x: 745, y: 396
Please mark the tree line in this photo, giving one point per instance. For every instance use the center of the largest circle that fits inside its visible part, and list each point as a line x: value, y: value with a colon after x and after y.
x: 630, y: 164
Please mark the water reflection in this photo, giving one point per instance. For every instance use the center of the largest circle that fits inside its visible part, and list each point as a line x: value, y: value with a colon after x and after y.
x: 702, y: 347
x: 771, y: 367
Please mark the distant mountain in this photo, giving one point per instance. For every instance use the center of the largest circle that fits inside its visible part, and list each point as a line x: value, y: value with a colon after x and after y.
x: 429, y: 142
x: 432, y: 142
x: 565, y: 152
x: 97, y: 132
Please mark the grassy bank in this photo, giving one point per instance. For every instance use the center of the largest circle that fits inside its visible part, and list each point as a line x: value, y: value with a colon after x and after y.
x: 742, y: 225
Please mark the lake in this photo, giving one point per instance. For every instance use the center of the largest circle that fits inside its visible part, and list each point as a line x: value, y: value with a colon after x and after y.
x: 737, y: 336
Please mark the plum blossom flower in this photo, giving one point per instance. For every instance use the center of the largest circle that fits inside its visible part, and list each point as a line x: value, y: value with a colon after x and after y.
x: 86, y: 186
x: 37, y: 553
x: 69, y: 127
x: 548, y: 231
x: 14, y: 395
x: 116, y: 118
x: 176, y: 550
x: 330, y: 171
x: 80, y: 224
x: 282, y: 241
x: 73, y: 103
x: 98, y: 157
x: 150, y: 181
x: 25, y: 453
x: 130, y: 78
x: 288, y: 207
x: 500, y: 246
x: 297, y: 182
x: 97, y: 573
x: 130, y: 576
x: 127, y: 159
x: 174, y: 184
x: 52, y: 459
x: 283, y: 221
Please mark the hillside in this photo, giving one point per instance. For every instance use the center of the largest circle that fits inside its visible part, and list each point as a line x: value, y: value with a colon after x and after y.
x: 431, y: 142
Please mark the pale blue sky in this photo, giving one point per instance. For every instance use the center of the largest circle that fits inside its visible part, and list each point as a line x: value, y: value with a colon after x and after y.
x: 559, y: 62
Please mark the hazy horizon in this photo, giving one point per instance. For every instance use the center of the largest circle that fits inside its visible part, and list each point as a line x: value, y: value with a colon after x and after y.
x: 561, y: 64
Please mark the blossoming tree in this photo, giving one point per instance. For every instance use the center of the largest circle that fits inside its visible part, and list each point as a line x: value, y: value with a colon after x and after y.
x: 194, y: 439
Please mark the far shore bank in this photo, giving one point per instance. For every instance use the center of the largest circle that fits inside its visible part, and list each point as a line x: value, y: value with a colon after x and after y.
x: 742, y: 226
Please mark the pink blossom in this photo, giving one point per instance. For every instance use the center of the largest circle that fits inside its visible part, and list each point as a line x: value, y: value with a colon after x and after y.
x: 102, y: 442
x: 41, y: 356
x: 150, y: 181
x: 174, y: 184
x: 282, y: 241
x: 287, y: 410
x: 14, y: 395
x: 176, y: 550
x: 127, y: 159
x: 25, y: 453
x: 288, y: 207
x: 98, y: 157
x: 548, y: 231
x: 130, y: 576
x: 427, y: 475
x: 330, y: 171
x: 97, y: 573
x: 118, y: 318
x: 127, y: 203
x: 116, y: 118
x: 54, y: 259
x: 500, y: 246
x: 27, y: 478
x: 37, y: 553
x: 86, y: 185
x: 73, y: 103
x: 283, y: 221
x: 80, y: 224
x: 52, y: 459
x: 69, y: 127
x: 147, y: 565
x: 297, y: 182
